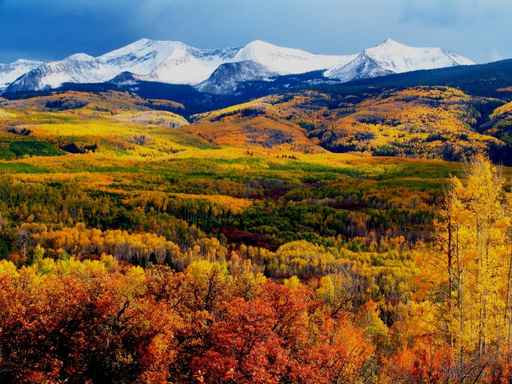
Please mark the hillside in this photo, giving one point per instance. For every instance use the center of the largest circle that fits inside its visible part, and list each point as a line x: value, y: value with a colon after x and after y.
x: 489, y: 80
x: 80, y: 123
x: 425, y: 122
x: 244, y: 156
x: 126, y: 226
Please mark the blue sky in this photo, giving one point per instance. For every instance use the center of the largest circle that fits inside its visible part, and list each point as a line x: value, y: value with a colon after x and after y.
x: 53, y: 29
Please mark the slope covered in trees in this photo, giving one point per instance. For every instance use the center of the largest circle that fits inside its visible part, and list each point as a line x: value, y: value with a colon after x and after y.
x: 139, y: 246
x: 163, y: 302
x: 426, y: 122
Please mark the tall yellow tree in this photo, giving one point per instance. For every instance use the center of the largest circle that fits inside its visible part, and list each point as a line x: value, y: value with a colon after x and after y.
x: 475, y: 240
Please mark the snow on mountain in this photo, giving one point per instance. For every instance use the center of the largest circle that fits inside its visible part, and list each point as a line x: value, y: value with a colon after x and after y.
x: 227, y: 76
x: 172, y: 62
x: 177, y: 63
x: 168, y: 61
x: 163, y: 61
x: 79, y: 68
x: 362, y: 67
x: 10, y: 72
x: 393, y: 57
x: 287, y: 61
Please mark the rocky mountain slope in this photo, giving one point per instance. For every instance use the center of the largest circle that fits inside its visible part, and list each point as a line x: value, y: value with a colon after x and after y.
x: 393, y: 57
x: 175, y: 62
x: 10, y: 72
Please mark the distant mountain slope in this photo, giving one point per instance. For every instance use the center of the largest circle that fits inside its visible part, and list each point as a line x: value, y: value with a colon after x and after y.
x: 255, y: 123
x: 174, y: 62
x: 170, y: 62
x: 490, y: 80
x: 286, y: 61
x: 191, y: 100
x: 393, y: 57
x: 426, y: 122
x: 79, y: 68
x: 500, y: 123
x: 10, y: 72
x: 227, y: 77
x: 164, y: 61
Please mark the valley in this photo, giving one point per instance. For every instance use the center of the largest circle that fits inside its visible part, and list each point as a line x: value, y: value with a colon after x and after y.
x: 266, y: 221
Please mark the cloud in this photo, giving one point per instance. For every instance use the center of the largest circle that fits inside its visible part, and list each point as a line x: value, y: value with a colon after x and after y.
x: 431, y: 12
x: 52, y: 29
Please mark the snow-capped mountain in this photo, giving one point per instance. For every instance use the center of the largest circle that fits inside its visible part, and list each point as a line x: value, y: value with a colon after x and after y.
x: 167, y: 61
x: 170, y: 62
x: 227, y: 76
x: 393, y: 57
x: 10, y: 72
x: 78, y: 68
x: 287, y: 61
x: 362, y: 67
x: 163, y: 61
x: 174, y: 62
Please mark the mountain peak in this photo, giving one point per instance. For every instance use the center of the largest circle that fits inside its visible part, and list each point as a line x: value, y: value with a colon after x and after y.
x: 389, y: 44
x: 394, y: 57
x: 259, y: 44
x: 390, y: 41
x: 144, y: 43
x: 286, y: 61
x: 125, y: 78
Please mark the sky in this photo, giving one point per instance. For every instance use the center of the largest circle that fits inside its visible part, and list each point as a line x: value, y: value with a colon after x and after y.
x: 54, y: 29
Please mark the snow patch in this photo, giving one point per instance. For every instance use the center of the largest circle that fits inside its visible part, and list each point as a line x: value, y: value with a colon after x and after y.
x: 394, y: 57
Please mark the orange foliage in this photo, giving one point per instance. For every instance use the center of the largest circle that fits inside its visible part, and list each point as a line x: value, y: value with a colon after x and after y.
x: 281, y: 337
x: 424, y: 362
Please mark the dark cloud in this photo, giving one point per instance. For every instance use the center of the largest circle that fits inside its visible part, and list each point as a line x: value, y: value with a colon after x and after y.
x: 52, y: 29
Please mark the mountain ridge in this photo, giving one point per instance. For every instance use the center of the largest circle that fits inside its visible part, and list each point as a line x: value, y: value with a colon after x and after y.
x: 393, y: 57
x: 175, y: 62
x: 12, y: 71
x: 228, y: 76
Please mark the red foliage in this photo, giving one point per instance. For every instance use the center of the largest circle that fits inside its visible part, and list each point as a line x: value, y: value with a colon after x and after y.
x: 280, y: 336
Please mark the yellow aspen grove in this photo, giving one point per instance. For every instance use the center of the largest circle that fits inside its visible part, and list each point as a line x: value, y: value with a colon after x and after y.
x: 476, y: 247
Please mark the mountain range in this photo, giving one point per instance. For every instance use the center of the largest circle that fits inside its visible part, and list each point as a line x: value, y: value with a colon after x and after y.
x: 220, y: 71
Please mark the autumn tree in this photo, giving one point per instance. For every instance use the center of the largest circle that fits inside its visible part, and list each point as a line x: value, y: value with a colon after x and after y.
x: 475, y: 243
x: 74, y: 322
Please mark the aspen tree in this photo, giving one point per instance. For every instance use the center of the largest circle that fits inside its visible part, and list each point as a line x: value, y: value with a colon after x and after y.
x: 477, y: 263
